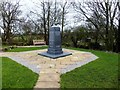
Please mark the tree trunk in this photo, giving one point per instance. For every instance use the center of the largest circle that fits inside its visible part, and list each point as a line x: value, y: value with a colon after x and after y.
x: 48, y: 24
x: 118, y: 38
x: 107, y: 27
x: 44, y: 21
x: 62, y: 24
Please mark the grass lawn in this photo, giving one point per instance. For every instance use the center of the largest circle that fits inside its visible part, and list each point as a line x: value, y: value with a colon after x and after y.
x: 102, y: 73
x: 4, y: 46
x: 15, y: 75
x: 0, y: 73
x: 21, y: 49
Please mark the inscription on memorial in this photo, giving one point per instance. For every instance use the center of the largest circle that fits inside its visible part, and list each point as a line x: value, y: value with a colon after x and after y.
x: 54, y: 49
x: 51, y: 40
x: 55, y: 41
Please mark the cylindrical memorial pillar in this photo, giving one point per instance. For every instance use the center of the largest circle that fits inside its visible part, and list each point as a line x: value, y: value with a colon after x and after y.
x: 54, y: 41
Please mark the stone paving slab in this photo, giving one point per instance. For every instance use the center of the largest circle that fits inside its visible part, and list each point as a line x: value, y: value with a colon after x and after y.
x: 60, y: 66
x: 26, y: 63
x: 49, y: 70
x: 49, y: 77
x: 46, y: 66
x: 48, y: 84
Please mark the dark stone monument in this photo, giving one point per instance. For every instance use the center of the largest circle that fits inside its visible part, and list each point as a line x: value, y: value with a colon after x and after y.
x: 55, y: 49
x: 55, y: 41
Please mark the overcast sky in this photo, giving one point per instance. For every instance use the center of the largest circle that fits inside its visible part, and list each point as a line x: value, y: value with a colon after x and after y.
x: 28, y: 5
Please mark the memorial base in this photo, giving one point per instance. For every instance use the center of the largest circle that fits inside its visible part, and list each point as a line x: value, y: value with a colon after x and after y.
x: 56, y: 55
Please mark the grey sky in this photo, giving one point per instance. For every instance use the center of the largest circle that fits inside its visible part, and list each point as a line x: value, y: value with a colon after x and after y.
x: 28, y: 5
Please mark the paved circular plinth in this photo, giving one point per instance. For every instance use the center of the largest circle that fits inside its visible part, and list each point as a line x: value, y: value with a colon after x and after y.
x: 49, y: 69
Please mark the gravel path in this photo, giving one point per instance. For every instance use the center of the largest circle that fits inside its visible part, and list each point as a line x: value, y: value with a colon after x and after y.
x: 26, y: 63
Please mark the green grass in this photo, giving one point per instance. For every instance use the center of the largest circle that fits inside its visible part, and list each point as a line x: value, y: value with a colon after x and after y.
x: 4, y: 46
x: 15, y: 75
x: 21, y: 49
x: 101, y: 73
x: 0, y: 73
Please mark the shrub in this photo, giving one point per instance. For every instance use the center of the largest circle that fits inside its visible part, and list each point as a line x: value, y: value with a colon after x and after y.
x: 4, y: 49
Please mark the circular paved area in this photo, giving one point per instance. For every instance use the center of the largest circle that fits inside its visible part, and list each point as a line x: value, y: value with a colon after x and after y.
x: 49, y: 70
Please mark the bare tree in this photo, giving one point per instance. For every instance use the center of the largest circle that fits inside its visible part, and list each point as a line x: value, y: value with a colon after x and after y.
x: 64, y: 12
x: 106, y: 9
x: 55, y: 16
x: 109, y: 11
x: 9, y: 14
x: 49, y: 4
x: 81, y: 9
x: 44, y: 16
x: 44, y: 20
x: 50, y: 14
x: 118, y: 34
